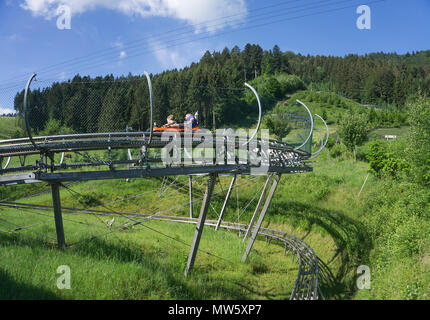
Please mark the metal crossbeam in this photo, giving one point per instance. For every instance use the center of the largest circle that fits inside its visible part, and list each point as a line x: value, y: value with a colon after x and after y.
x: 227, y: 197
x: 200, y: 223
x: 261, y: 218
x: 257, y: 208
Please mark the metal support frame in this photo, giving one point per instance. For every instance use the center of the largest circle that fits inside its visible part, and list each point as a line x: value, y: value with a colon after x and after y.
x: 257, y: 208
x: 190, y: 186
x: 57, y: 214
x: 227, y: 197
x: 200, y: 223
x: 261, y: 218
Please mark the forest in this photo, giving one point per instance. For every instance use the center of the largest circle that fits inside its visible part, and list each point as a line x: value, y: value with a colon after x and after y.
x: 215, y: 88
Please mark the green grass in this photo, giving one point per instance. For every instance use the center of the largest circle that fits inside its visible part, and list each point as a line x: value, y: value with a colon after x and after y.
x: 140, y: 264
x: 380, y: 133
x: 8, y: 127
x: 322, y: 207
x: 136, y: 263
x: 387, y: 228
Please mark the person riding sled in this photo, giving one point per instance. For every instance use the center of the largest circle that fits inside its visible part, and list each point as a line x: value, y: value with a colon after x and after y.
x: 189, y: 124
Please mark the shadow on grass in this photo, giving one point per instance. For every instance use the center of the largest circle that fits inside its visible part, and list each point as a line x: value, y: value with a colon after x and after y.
x: 10, y: 289
x: 152, y: 261
x: 353, y: 243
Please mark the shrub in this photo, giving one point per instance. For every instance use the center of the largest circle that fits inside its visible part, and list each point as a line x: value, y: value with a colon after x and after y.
x: 337, y: 150
x: 353, y: 131
x: 418, y: 151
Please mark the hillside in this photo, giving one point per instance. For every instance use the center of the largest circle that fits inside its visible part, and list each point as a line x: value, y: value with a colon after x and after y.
x: 322, y: 207
x: 214, y: 87
x: 374, y: 211
x: 9, y: 127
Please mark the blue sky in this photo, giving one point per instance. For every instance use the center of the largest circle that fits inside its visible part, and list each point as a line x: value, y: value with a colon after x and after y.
x: 122, y: 36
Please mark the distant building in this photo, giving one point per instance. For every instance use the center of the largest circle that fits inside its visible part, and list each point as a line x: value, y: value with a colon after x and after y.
x: 390, y: 137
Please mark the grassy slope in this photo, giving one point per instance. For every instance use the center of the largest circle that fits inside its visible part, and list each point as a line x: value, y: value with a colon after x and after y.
x: 136, y: 263
x: 322, y: 207
x: 8, y: 127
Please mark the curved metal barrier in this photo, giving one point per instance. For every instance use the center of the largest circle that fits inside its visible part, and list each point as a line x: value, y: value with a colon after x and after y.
x: 151, y: 99
x: 323, y: 143
x: 312, y: 125
x: 260, y: 112
x: 306, y: 286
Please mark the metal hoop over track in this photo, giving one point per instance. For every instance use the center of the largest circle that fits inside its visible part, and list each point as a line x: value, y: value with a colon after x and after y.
x: 27, y: 124
x: 148, y: 78
x: 312, y: 125
x: 7, y: 163
x: 323, y: 144
x: 260, y: 113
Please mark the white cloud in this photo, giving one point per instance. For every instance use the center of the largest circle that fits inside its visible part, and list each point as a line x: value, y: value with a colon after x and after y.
x: 176, y: 58
x: 6, y: 110
x: 192, y: 11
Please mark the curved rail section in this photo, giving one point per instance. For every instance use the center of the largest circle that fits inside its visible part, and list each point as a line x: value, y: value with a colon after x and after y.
x: 306, y: 286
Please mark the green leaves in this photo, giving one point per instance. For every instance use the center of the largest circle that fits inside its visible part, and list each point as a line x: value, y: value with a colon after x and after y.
x: 278, y: 122
x: 353, y: 130
x: 418, y: 150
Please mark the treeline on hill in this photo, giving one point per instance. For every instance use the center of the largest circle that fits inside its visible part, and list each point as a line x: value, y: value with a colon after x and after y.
x: 214, y: 87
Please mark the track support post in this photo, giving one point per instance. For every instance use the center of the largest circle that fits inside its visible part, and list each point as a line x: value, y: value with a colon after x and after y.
x: 261, y: 218
x: 55, y: 187
x: 200, y: 223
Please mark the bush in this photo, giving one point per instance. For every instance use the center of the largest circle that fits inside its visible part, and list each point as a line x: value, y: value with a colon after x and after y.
x: 278, y: 122
x: 383, y: 162
x: 353, y: 130
x: 418, y: 151
x: 54, y: 127
x: 338, y: 150
x: 89, y: 200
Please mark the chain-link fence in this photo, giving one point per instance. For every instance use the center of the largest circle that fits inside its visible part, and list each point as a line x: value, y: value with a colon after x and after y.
x: 108, y: 104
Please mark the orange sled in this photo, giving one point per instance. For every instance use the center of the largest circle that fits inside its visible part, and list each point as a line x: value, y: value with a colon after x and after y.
x: 155, y: 129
